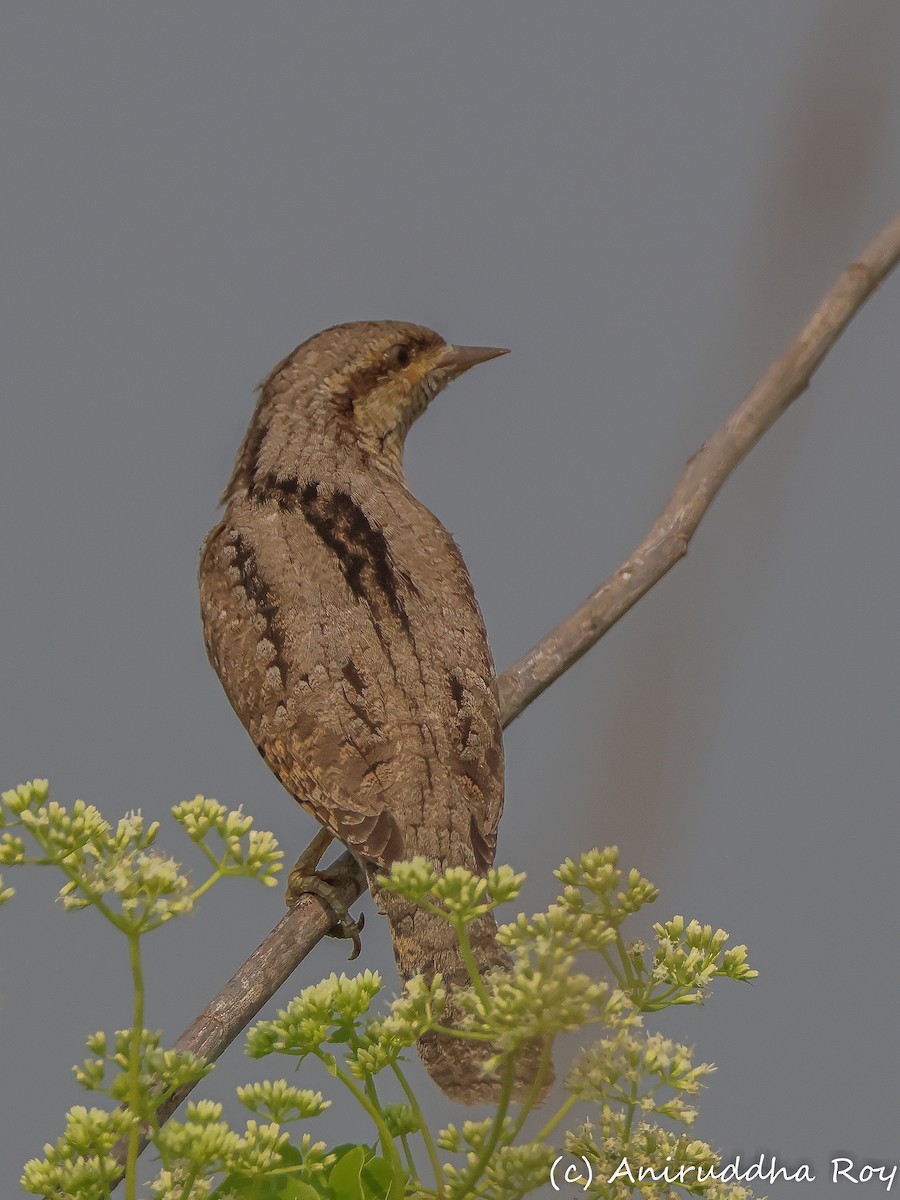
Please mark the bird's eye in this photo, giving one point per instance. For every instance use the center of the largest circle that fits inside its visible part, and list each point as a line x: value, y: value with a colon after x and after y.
x: 401, y: 355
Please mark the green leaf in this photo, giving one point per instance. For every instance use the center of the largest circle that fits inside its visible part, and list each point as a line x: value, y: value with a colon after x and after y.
x: 299, y: 1191
x: 261, y: 1188
x: 346, y: 1175
x: 359, y: 1174
x: 377, y: 1174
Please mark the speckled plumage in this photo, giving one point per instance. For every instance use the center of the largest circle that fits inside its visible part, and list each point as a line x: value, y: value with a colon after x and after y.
x: 340, y: 618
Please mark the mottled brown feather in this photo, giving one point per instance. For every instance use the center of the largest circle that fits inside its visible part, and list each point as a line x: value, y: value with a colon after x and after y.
x: 340, y: 617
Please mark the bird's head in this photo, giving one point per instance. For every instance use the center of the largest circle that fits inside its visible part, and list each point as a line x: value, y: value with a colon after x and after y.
x: 354, y: 387
x: 380, y: 375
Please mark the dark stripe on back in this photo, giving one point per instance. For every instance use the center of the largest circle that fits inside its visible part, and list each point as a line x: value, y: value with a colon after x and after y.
x: 284, y: 492
x: 353, y: 677
x: 360, y: 548
x: 260, y: 596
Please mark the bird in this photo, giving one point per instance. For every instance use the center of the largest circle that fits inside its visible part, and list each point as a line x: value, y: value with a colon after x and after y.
x: 341, y: 620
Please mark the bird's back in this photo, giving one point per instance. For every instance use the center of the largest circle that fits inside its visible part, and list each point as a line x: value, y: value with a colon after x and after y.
x: 342, y: 622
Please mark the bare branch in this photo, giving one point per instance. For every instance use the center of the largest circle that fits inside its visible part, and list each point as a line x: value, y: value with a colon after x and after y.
x: 302, y: 927
x: 700, y: 481
x: 259, y: 978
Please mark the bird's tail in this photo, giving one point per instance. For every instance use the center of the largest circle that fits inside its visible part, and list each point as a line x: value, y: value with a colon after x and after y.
x: 424, y: 944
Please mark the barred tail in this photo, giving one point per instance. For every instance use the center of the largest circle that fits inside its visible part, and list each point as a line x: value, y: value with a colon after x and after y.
x: 425, y: 945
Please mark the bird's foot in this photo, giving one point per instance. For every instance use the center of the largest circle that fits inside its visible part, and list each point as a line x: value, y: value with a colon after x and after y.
x: 305, y: 878
x: 324, y: 884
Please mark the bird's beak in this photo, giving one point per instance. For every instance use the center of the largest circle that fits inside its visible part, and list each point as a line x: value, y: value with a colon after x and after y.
x: 457, y: 359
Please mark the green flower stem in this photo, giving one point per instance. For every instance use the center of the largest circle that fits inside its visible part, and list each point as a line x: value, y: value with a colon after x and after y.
x: 471, y: 1177
x: 214, y: 878
x: 563, y: 1109
x: 430, y: 1147
x: 631, y: 1105
x: 372, y: 1093
x: 201, y: 843
x: 407, y: 1154
x: 111, y: 915
x: 189, y: 1183
x: 468, y: 957
x: 617, y: 975
x: 626, y: 961
x: 663, y: 1000
x: 378, y: 1120
x: 534, y: 1091
x: 134, y: 1065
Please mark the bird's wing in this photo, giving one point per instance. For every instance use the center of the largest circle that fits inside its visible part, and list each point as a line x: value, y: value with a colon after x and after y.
x: 366, y: 685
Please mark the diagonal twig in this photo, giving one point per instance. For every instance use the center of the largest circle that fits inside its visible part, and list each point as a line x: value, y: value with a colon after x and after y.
x: 282, y: 950
x: 703, y: 475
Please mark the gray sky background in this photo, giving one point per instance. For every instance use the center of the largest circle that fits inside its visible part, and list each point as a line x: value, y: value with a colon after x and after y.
x: 644, y: 201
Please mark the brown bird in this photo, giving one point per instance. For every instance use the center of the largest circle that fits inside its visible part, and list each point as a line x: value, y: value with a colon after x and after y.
x: 340, y: 618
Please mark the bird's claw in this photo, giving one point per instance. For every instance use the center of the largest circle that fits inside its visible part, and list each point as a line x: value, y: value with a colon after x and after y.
x: 347, y: 927
x: 301, y: 883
